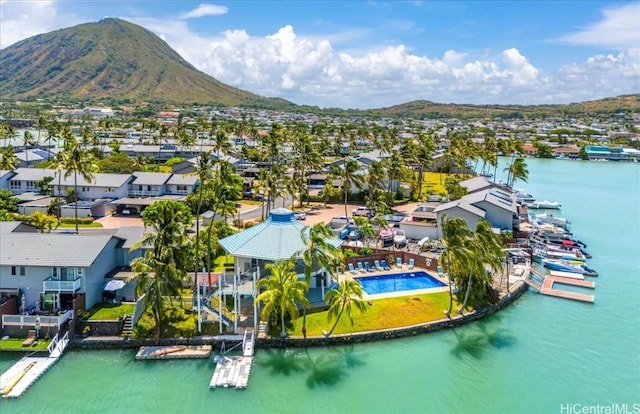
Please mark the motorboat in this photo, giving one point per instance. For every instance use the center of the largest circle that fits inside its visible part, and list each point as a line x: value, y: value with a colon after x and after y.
x: 399, y: 238
x: 544, y: 205
x: 523, y: 196
x: 545, y: 218
x: 564, y: 266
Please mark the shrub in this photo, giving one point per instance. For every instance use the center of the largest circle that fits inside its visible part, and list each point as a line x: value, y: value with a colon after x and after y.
x: 144, y: 328
x: 366, y: 251
x: 72, y: 220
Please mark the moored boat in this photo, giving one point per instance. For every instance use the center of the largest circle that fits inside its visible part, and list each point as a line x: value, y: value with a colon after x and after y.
x: 544, y: 205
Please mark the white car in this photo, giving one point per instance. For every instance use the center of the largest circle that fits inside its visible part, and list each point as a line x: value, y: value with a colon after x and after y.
x: 300, y: 215
x: 364, y: 211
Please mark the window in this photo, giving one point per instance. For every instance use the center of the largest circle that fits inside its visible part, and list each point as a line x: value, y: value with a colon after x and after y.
x: 85, y: 189
x: 22, y: 271
x: 182, y: 188
x: 15, y: 185
x: 79, y: 271
x: 31, y: 185
x: 13, y: 270
x: 54, y: 273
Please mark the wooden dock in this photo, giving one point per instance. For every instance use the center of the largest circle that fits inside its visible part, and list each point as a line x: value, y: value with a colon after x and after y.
x: 174, y: 352
x: 548, y: 288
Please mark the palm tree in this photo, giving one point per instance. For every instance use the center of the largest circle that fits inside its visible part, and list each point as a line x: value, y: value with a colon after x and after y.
x: 517, y: 170
x: 204, y: 173
x: 345, y: 297
x: 29, y: 140
x: 350, y: 178
x: 456, y: 255
x: 161, y: 269
x: 76, y: 161
x: 317, y: 251
x: 282, y: 293
x: 486, y: 250
x: 8, y: 159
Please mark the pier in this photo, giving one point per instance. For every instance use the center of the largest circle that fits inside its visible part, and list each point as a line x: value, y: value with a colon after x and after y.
x: 174, y: 352
x: 234, y: 371
x: 24, y: 373
x: 549, y: 290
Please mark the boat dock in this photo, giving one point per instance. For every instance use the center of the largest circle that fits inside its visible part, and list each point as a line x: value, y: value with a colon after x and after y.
x: 24, y: 373
x: 174, y: 352
x: 234, y: 371
x: 549, y: 290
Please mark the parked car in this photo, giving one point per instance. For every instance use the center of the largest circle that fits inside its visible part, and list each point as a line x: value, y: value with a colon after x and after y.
x: 364, y: 211
x: 300, y: 215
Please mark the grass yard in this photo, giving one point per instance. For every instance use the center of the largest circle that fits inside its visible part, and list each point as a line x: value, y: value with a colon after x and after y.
x: 95, y: 224
x: 15, y: 344
x: 220, y: 262
x: 431, y: 183
x: 110, y: 311
x: 381, y: 314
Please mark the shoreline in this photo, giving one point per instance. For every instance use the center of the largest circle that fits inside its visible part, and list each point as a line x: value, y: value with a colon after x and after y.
x: 116, y: 342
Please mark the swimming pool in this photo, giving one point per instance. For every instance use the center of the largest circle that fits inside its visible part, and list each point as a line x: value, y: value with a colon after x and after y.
x: 398, y: 282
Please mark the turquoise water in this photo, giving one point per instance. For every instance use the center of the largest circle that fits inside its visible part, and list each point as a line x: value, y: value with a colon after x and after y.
x: 398, y: 282
x: 531, y: 358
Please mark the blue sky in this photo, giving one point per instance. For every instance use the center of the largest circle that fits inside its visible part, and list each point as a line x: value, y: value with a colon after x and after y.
x: 370, y: 54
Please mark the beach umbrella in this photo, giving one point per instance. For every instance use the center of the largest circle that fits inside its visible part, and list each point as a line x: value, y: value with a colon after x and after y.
x: 113, y: 285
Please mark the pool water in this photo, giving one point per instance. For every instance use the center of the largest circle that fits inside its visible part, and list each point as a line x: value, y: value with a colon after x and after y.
x: 399, y: 282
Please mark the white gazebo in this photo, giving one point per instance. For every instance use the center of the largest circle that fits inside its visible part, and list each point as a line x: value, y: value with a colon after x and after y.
x: 277, y: 238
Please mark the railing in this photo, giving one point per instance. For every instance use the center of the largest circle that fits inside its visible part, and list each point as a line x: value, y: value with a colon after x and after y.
x: 53, y: 344
x: 71, y: 286
x: 31, y: 320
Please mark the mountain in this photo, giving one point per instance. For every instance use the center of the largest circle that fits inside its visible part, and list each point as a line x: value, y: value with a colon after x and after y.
x: 606, y: 106
x: 111, y: 59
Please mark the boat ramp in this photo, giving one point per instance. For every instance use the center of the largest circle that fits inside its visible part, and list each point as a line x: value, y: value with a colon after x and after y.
x: 234, y: 371
x: 545, y: 284
x: 24, y: 373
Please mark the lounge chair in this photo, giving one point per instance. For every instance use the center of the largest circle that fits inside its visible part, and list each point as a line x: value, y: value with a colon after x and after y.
x: 352, y: 269
x: 399, y: 264
x: 360, y: 267
x: 385, y: 266
x: 412, y: 264
x: 376, y: 263
x: 367, y: 267
x: 31, y: 339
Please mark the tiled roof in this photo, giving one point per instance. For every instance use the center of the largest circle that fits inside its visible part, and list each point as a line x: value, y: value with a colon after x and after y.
x: 52, y: 249
x: 276, y: 238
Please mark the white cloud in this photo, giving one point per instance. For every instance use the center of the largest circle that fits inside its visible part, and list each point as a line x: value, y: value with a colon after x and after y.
x: 205, y: 10
x: 317, y: 71
x: 618, y: 29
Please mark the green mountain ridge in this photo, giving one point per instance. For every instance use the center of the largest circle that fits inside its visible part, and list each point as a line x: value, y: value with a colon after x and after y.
x: 111, y: 59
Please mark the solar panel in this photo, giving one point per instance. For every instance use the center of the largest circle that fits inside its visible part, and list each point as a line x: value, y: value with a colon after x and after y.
x: 42, y: 153
x: 168, y: 147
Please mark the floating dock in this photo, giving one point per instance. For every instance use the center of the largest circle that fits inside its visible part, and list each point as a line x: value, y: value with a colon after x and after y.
x: 548, y: 288
x: 234, y: 371
x: 174, y: 352
x: 24, y: 373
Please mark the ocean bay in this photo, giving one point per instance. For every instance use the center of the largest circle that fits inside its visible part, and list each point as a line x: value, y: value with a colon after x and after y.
x: 536, y: 355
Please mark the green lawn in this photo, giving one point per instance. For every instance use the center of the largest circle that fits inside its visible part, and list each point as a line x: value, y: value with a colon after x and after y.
x: 381, y: 314
x: 431, y: 183
x: 95, y: 224
x: 110, y: 311
x: 15, y: 344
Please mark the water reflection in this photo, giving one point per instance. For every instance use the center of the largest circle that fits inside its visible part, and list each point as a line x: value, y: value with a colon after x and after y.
x: 326, y: 367
x: 475, y: 340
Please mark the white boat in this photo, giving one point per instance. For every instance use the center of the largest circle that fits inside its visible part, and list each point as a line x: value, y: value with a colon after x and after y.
x: 546, y: 204
x: 551, y: 219
x: 523, y: 196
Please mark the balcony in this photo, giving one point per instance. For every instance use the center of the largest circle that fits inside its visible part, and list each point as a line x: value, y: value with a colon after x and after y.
x: 61, y: 286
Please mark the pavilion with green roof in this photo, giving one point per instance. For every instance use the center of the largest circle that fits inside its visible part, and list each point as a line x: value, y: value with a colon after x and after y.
x: 277, y: 238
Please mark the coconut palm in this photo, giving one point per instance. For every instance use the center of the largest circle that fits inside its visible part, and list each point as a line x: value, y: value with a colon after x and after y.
x: 346, y: 297
x: 349, y: 174
x: 29, y: 140
x: 455, y: 233
x: 161, y: 271
x: 517, y: 170
x: 76, y: 161
x: 282, y: 294
x: 8, y: 159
